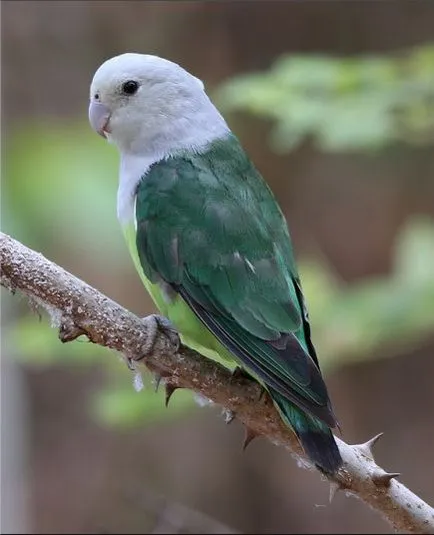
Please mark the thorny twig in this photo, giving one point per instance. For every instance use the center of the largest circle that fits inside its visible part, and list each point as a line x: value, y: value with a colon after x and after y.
x: 80, y: 309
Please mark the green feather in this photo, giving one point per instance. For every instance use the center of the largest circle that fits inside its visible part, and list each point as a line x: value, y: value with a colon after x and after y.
x: 209, y: 227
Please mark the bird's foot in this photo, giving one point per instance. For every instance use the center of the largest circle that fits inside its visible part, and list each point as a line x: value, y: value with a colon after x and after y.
x: 167, y: 328
x: 156, y: 324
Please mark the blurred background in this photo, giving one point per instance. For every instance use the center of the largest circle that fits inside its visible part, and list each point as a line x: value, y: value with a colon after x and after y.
x: 334, y: 101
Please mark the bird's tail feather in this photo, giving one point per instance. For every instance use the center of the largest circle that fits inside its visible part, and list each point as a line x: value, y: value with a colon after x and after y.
x: 315, y: 436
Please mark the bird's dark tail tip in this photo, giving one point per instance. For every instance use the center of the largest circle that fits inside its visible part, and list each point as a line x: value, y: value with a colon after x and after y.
x: 315, y: 436
x: 320, y: 446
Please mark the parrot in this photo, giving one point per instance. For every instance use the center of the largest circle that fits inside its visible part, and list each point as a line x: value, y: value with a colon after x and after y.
x: 209, y: 240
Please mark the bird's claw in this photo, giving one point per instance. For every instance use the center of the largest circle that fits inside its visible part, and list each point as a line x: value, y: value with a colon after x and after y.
x: 155, y: 324
x: 168, y: 329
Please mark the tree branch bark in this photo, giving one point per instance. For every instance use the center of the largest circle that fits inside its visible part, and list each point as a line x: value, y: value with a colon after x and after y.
x: 77, y: 308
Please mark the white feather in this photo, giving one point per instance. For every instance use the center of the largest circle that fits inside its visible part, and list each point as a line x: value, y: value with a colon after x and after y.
x: 170, y: 112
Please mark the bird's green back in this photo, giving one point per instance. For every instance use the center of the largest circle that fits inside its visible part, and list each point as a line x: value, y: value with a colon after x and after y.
x: 210, y: 230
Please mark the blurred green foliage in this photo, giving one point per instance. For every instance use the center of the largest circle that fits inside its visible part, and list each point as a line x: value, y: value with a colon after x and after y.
x: 61, y: 190
x: 56, y: 173
x: 117, y: 402
x: 377, y: 317
x: 348, y: 103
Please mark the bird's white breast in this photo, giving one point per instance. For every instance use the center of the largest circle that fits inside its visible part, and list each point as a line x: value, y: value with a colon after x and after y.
x: 132, y: 169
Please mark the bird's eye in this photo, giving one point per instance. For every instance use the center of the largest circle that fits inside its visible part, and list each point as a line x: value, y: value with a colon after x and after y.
x: 130, y: 87
x: 96, y: 96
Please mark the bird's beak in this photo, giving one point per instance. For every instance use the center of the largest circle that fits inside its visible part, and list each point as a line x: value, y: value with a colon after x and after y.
x: 99, y: 117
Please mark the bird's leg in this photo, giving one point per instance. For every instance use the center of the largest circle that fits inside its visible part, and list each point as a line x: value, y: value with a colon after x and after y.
x: 156, y: 324
x: 165, y: 326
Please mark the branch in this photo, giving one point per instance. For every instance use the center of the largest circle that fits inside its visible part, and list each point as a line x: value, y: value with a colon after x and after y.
x: 80, y: 309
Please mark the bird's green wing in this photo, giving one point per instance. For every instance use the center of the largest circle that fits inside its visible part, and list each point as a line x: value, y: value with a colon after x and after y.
x: 209, y: 228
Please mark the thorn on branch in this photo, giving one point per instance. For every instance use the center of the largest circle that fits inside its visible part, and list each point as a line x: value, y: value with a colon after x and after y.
x: 334, y: 487
x: 382, y: 478
x: 170, y: 389
x: 157, y: 381
x: 160, y: 378
x: 367, y: 447
x: 68, y: 331
x: 249, y: 436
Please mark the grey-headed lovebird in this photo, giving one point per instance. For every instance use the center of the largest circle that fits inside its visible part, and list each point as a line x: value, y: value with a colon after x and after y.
x: 208, y: 238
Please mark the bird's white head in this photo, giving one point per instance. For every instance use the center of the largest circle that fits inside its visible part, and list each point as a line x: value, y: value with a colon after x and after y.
x: 149, y: 105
